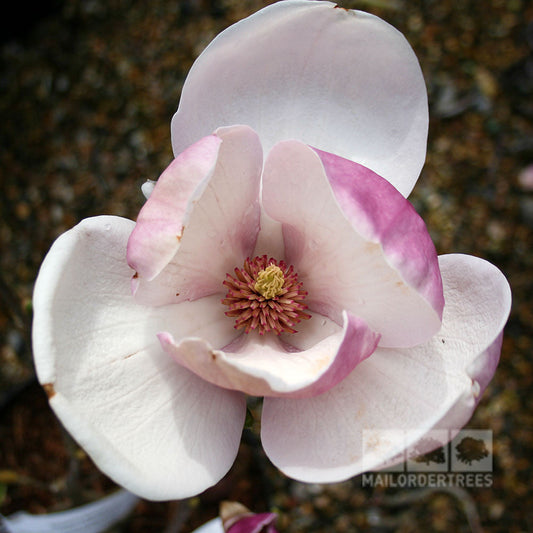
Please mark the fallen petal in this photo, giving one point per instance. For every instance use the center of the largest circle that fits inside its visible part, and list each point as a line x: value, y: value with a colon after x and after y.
x: 236, y: 518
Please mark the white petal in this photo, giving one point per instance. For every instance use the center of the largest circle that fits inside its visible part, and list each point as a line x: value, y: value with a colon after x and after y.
x: 221, y: 228
x: 148, y: 423
x: 213, y: 526
x: 408, y: 391
x: 342, y: 81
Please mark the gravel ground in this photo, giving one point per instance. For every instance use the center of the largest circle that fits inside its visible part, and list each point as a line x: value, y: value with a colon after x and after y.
x: 87, y: 92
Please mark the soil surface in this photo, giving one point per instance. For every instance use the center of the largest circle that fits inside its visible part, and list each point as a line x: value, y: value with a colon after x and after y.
x: 87, y: 90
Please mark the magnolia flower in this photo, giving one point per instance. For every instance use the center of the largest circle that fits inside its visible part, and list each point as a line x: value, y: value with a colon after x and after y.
x: 276, y: 256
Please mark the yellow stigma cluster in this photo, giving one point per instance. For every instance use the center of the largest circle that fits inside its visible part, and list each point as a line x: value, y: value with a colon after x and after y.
x: 270, y: 282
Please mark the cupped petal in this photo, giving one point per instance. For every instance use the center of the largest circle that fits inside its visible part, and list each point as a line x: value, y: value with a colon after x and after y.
x: 151, y: 425
x: 341, y: 80
x: 264, y: 366
x: 356, y: 243
x: 397, y: 395
x: 219, y: 229
x: 160, y: 223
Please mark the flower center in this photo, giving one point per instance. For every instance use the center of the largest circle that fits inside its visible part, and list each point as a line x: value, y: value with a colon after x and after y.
x: 266, y: 295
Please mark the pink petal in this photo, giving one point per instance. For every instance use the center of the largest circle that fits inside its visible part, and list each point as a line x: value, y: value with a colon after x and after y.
x: 403, y: 392
x: 355, y: 242
x: 151, y: 425
x: 263, y: 366
x: 381, y: 215
x: 221, y: 224
x: 160, y: 223
x: 344, y: 81
x: 255, y: 523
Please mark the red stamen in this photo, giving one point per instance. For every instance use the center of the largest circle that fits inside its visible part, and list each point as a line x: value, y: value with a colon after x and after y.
x: 252, y: 310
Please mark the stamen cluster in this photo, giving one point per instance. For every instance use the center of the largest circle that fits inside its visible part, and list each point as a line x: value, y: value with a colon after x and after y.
x: 253, y: 307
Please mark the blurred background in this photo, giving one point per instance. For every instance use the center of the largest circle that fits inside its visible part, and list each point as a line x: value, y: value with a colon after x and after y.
x: 87, y: 90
